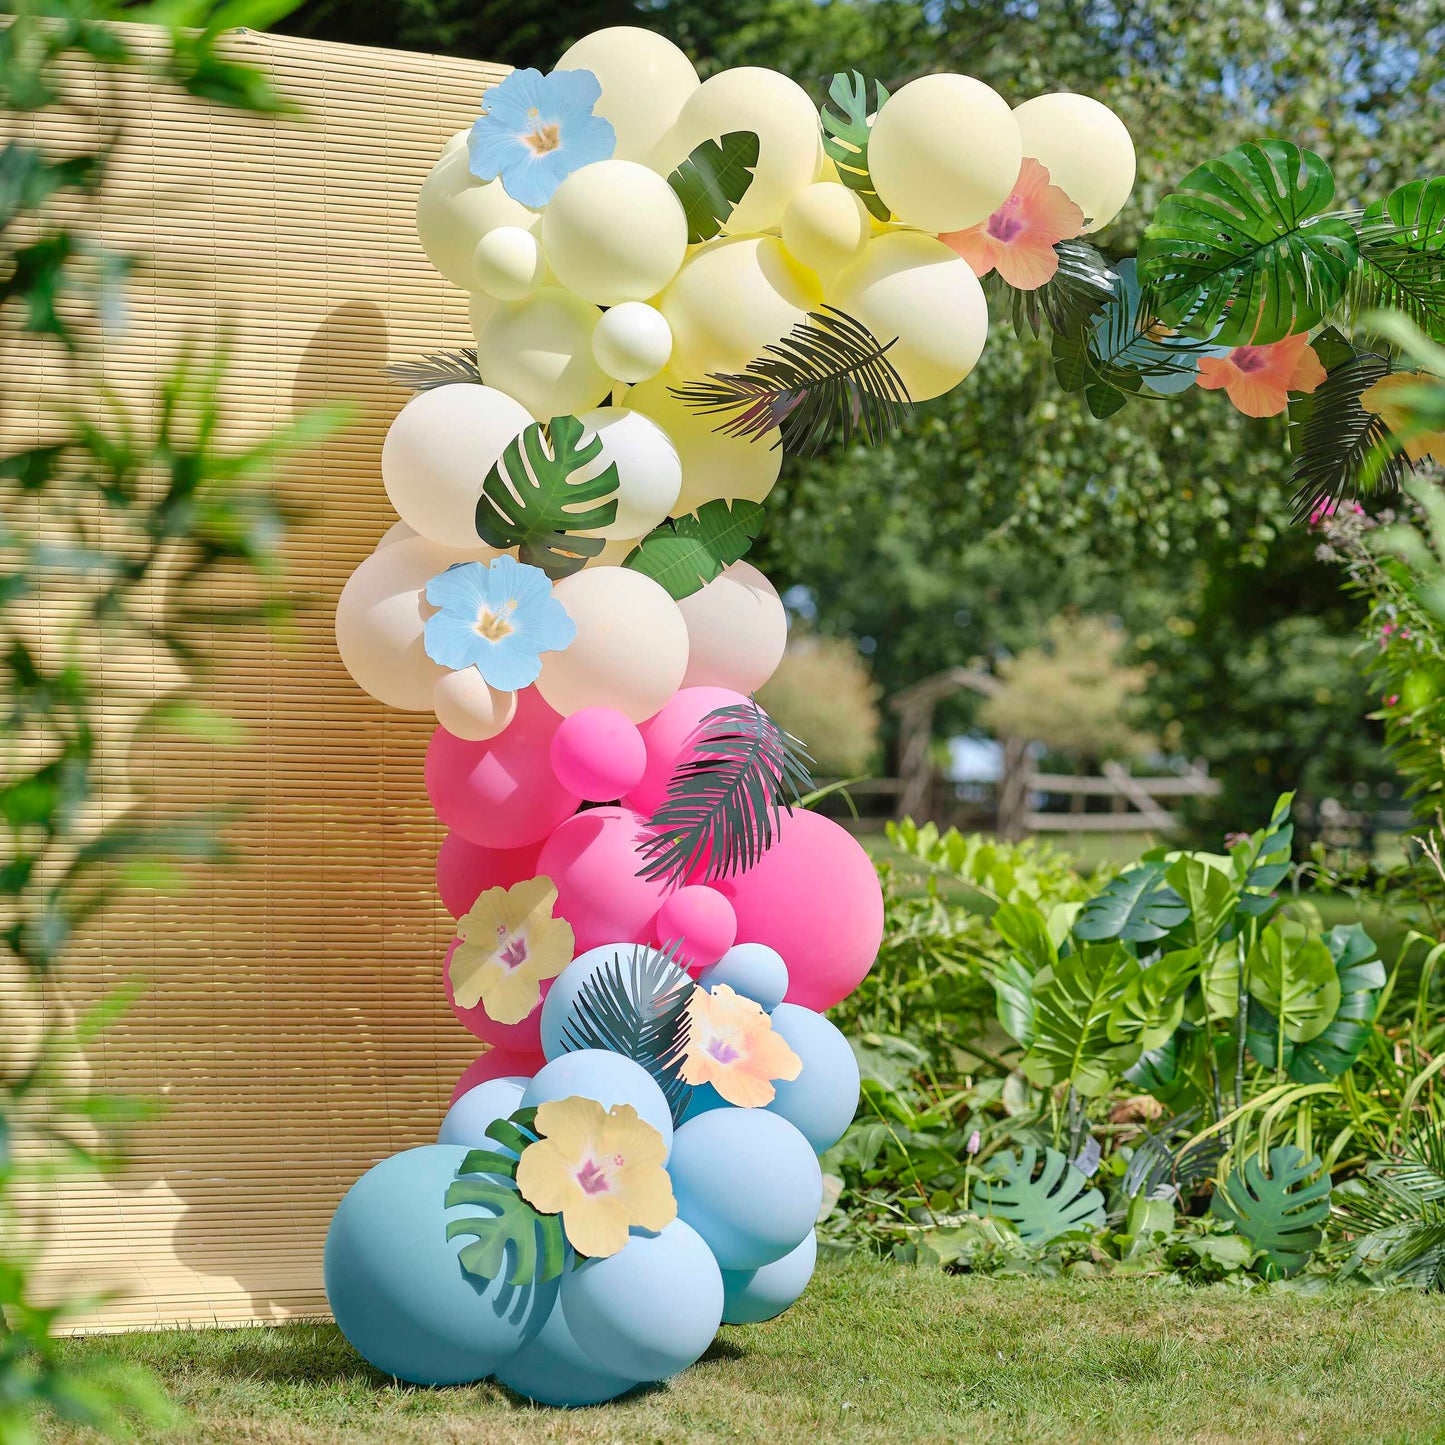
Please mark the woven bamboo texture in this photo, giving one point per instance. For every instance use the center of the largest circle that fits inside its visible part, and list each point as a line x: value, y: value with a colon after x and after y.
x: 293, y: 1026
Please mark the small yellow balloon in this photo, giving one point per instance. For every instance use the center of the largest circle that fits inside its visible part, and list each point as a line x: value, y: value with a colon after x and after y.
x: 632, y: 342
x: 825, y: 227
x: 1085, y: 148
x: 508, y: 263
x: 454, y: 210
x: 539, y: 351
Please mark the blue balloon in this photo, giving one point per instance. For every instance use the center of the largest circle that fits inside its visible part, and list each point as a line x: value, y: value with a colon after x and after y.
x: 748, y: 1182
x: 607, y: 1077
x: 822, y: 1100
x: 751, y: 1296
x: 553, y: 1370
x: 396, y: 1285
x: 753, y: 970
x: 468, y: 1120
x: 649, y: 1310
x: 558, y: 1007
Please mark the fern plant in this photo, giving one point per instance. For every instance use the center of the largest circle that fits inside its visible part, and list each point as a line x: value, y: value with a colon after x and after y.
x: 440, y: 368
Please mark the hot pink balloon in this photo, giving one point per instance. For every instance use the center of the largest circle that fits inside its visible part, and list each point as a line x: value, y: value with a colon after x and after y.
x: 496, y: 1064
x: 666, y: 736
x: 598, y: 754
x: 465, y: 870
x: 815, y: 898
x: 699, y: 922
x: 523, y: 1037
x: 501, y: 793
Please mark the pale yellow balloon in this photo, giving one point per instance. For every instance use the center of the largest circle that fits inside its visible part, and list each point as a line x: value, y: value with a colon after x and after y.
x: 730, y: 300
x: 790, y: 142
x: 737, y: 629
x: 614, y: 231
x: 467, y: 708
x: 944, y: 152
x: 632, y: 342
x: 913, y: 288
x: 508, y: 263
x: 615, y: 553
x: 645, y: 79
x: 630, y: 652
x: 1085, y: 148
x: 714, y: 464
x: 454, y: 210
x: 825, y: 227
x: 649, y: 474
x: 540, y: 351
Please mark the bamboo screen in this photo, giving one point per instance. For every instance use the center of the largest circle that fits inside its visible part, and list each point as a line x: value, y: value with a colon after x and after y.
x: 293, y: 1025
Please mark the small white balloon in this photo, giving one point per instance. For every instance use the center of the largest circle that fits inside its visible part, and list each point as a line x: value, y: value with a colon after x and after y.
x: 825, y: 227
x: 539, y: 351
x: 1085, y: 148
x: 649, y: 474
x: 508, y: 263
x: 468, y: 708
x: 737, y: 629
x: 454, y: 210
x: 632, y: 342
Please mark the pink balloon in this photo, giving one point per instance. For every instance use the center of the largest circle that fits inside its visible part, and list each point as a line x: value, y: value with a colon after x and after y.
x: 593, y: 858
x: 501, y: 793
x: 700, y: 922
x: 496, y: 1064
x: 598, y: 754
x: 524, y: 1037
x: 666, y: 735
x: 815, y: 898
x: 465, y: 870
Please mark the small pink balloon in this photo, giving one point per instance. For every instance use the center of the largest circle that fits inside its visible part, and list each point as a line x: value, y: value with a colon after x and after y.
x: 598, y: 754
x: 594, y: 859
x: 496, y: 1064
x: 666, y: 736
x: 523, y: 1037
x: 465, y: 870
x: 699, y: 922
x: 501, y: 793
x: 814, y: 897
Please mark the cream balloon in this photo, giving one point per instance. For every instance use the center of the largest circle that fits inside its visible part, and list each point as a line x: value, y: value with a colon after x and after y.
x: 540, y: 351
x: 437, y: 454
x: 614, y: 231
x: 508, y: 263
x: 944, y: 152
x: 632, y: 342
x: 645, y: 79
x: 478, y: 551
x: 714, y: 464
x: 649, y: 474
x: 914, y: 288
x: 1085, y: 148
x: 630, y: 652
x: 730, y: 300
x: 467, y: 708
x: 737, y: 629
x: 825, y: 227
x: 480, y: 309
x: 454, y: 210
x: 778, y: 111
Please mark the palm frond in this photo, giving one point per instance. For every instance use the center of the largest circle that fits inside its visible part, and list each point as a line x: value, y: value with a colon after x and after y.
x: 828, y: 379
x: 726, y: 797
x: 441, y: 368
x: 1081, y: 286
x: 1397, y: 1214
x: 1165, y: 1162
x: 1396, y: 277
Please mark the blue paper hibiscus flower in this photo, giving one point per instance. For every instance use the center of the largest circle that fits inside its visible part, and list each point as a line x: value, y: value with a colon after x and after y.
x: 536, y: 130
x: 499, y: 618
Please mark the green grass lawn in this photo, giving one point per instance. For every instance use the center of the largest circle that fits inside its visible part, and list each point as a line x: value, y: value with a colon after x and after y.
x: 879, y: 1352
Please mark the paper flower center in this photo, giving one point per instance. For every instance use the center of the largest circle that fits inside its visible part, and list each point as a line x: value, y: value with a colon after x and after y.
x: 1250, y: 358
x: 513, y: 953
x: 721, y: 1048
x: 1006, y: 223
x: 543, y: 139
x: 494, y: 626
x: 595, y: 1178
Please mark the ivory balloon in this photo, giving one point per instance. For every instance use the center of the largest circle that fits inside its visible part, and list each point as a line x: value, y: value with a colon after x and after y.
x: 944, y: 152
x: 630, y: 652
x: 649, y: 475
x: 454, y: 210
x: 540, y: 352
x: 1085, y: 148
x: 508, y: 264
x: 467, y: 708
x: 914, y: 288
x: 645, y: 79
x: 437, y: 454
x: 736, y: 631
x: 632, y: 342
x: 614, y: 231
x: 825, y: 227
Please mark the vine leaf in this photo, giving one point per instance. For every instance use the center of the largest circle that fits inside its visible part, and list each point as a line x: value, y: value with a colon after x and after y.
x: 828, y: 379
x: 1083, y: 284
x: 686, y: 553
x: 1057, y: 1203
x: 1138, y: 906
x: 845, y: 134
x: 712, y: 180
x: 726, y: 797
x: 1243, y: 245
x: 1280, y: 1212
x: 440, y: 368
x: 534, y: 498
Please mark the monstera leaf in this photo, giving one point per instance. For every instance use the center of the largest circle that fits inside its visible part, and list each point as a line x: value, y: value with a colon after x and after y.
x: 1138, y: 906
x: 1243, y: 246
x: 1280, y: 1212
x: 1058, y: 1202
x: 712, y: 180
x: 845, y: 134
x: 1072, y: 1009
x: 685, y: 554
x: 1207, y: 893
x: 535, y: 497
x: 1151, y: 1006
x: 1290, y: 974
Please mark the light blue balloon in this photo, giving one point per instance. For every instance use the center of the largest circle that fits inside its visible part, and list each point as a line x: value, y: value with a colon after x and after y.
x: 558, y: 1006
x: 396, y: 1285
x: 607, y: 1077
x: 751, y: 1296
x: 753, y: 970
x: 649, y: 1310
x: 553, y: 1370
x: 468, y: 1120
x: 748, y: 1182
x: 822, y: 1100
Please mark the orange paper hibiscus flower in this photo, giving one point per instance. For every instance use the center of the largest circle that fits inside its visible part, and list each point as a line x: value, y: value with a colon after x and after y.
x: 731, y: 1045
x: 1018, y: 239
x: 510, y: 945
x: 1388, y: 400
x: 1259, y: 379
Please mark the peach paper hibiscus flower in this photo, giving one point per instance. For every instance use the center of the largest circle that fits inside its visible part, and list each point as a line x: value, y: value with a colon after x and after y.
x: 1259, y: 379
x: 1385, y: 400
x: 1019, y: 237
x: 510, y: 944
x: 731, y: 1045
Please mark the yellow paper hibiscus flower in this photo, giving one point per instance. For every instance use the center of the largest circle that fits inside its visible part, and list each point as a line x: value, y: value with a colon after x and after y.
x: 731, y: 1045
x: 510, y: 945
x: 600, y: 1169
